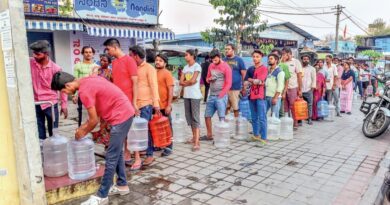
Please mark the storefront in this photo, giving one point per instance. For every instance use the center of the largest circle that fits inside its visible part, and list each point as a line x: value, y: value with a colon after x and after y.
x: 69, y: 26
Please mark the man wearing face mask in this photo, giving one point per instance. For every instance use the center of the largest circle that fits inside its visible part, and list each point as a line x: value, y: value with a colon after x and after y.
x: 308, y: 84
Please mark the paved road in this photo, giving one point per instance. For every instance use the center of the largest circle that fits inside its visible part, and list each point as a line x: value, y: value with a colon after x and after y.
x: 326, y: 163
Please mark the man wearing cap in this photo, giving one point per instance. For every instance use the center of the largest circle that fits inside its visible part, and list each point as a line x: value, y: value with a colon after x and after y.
x: 105, y: 100
x: 274, y: 84
x: 309, y: 84
x: 42, y: 70
x: 165, y: 91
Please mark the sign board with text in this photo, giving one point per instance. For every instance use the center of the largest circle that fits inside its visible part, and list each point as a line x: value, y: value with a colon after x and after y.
x: 41, y: 7
x: 134, y: 11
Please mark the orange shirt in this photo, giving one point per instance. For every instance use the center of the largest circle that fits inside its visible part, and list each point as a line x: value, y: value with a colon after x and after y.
x: 147, y: 86
x: 165, y: 82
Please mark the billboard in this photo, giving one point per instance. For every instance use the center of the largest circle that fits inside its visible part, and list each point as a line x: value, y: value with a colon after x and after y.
x: 129, y: 11
x: 41, y: 7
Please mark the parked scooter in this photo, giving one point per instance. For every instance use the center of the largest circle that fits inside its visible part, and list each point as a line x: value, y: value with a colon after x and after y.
x: 377, y: 118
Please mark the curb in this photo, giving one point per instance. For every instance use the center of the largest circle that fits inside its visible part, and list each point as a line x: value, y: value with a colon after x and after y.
x: 373, y: 194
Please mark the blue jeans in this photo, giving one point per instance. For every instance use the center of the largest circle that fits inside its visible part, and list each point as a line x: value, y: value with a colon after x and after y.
x: 216, y: 104
x: 359, y: 85
x: 147, y: 113
x: 42, y: 115
x: 275, y: 108
x: 114, y: 158
x: 259, y: 117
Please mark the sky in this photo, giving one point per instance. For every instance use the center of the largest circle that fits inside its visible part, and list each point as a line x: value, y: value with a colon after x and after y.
x: 182, y: 16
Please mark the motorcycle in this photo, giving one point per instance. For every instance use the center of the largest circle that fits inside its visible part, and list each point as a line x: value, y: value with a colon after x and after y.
x: 377, y: 118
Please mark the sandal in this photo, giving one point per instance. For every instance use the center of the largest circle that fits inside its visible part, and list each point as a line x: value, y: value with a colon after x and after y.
x: 195, y: 148
x: 205, y: 138
x: 129, y: 162
x: 136, y: 167
x: 149, y: 163
x: 254, y: 139
x: 189, y: 141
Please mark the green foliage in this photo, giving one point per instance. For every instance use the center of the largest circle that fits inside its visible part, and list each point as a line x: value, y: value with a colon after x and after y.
x: 240, y: 20
x: 372, y: 55
x: 359, y: 40
x: 266, y: 48
x: 66, y: 9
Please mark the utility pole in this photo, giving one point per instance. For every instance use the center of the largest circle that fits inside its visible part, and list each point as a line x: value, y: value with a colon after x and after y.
x: 339, y: 9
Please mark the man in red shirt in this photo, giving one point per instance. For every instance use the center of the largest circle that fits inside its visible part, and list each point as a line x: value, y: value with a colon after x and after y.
x: 124, y: 75
x: 256, y: 76
x: 219, y: 76
x: 105, y: 100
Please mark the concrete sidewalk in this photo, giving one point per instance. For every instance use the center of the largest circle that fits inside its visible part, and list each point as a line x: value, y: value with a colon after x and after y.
x: 326, y: 163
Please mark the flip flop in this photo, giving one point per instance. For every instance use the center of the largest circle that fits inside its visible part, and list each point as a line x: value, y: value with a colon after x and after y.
x: 135, y: 168
x: 129, y: 162
x: 195, y: 148
x: 205, y: 138
x: 189, y: 142
x: 147, y: 164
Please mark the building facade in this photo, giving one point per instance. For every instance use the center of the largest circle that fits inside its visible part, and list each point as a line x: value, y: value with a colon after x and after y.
x: 71, y: 24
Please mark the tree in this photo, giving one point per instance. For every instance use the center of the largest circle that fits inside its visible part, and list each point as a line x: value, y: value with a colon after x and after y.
x: 240, y: 20
x: 378, y: 27
x: 372, y: 55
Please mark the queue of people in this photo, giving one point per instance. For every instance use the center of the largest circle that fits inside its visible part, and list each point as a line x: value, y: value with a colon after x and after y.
x: 134, y: 88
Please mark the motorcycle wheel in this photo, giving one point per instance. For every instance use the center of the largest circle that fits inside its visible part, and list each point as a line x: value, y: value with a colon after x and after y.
x: 380, y: 125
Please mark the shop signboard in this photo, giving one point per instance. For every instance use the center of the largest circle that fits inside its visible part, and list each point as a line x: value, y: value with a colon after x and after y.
x: 383, y: 43
x: 279, y: 43
x: 135, y: 11
x: 344, y: 46
x: 41, y: 7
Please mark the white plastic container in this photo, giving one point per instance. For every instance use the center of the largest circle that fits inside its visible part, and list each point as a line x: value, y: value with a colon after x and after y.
x: 241, y: 128
x: 286, y: 127
x: 55, y: 156
x: 178, y: 129
x: 332, y: 113
x: 81, y: 157
x: 137, y: 138
x: 229, y: 119
x: 221, y: 135
x: 273, y: 128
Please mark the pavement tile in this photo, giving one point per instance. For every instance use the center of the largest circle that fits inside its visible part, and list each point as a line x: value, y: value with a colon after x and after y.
x: 217, y: 188
x: 198, y: 186
x: 233, y: 192
x: 173, y: 198
x: 218, y: 175
x: 186, y: 192
x: 202, y: 197
x: 218, y: 200
x: 248, y: 183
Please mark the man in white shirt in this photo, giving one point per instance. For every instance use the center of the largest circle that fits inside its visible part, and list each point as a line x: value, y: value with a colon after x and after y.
x: 332, y: 92
x: 294, y: 85
x: 309, y: 83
